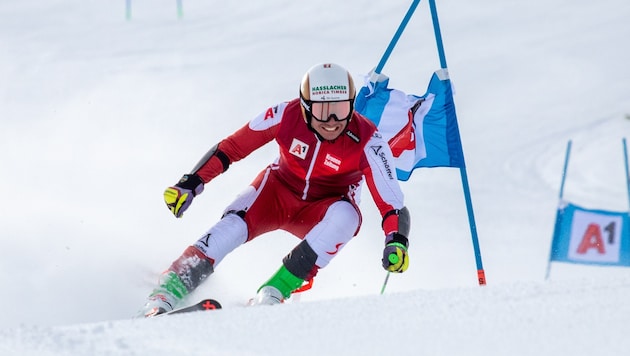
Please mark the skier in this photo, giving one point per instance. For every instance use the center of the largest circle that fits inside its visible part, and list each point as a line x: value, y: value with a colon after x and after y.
x: 312, y: 190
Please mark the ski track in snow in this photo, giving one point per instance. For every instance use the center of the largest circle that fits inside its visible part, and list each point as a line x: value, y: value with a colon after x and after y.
x: 596, y: 164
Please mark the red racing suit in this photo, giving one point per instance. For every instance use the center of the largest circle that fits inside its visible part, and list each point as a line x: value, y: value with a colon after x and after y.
x: 309, y: 173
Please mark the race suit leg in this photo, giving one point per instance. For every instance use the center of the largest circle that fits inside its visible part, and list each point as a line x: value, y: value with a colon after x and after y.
x: 199, y: 260
x: 319, y: 246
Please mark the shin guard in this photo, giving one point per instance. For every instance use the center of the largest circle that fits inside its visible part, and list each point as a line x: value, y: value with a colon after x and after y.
x: 297, y: 266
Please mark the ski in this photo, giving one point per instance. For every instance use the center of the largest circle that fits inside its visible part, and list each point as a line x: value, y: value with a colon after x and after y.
x: 204, y: 305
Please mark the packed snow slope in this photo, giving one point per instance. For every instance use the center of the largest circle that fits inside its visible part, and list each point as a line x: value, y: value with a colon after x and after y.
x: 556, y: 318
x: 99, y: 113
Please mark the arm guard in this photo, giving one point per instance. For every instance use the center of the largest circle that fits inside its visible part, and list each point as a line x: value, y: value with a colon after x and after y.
x: 213, y: 152
x: 397, y: 220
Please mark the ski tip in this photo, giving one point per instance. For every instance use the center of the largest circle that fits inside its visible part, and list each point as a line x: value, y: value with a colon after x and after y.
x: 203, y: 305
x: 210, y: 304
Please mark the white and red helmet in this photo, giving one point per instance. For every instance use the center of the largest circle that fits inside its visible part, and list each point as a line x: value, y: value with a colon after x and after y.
x: 327, y: 92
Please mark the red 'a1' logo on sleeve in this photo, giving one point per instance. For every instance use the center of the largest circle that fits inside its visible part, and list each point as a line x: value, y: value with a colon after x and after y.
x: 269, y: 113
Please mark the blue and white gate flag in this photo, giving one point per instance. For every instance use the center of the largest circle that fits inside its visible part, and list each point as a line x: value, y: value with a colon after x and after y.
x: 421, y: 130
x: 591, y: 236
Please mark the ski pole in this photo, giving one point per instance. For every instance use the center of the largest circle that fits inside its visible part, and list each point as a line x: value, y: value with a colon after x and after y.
x: 385, y: 283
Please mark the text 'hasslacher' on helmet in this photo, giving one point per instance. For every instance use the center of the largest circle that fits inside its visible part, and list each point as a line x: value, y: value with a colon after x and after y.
x: 326, y: 82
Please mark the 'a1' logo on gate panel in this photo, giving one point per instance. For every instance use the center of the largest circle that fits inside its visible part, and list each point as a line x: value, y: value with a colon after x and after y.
x: 298, y: 148
x: 595, y: 237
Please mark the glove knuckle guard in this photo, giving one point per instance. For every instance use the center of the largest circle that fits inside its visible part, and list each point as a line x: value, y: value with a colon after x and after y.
x: 171, y: 195
x: 395, y: 258
x: 176, y: 200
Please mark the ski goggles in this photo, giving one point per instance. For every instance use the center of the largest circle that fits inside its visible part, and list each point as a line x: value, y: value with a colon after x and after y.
x: 324, y: 111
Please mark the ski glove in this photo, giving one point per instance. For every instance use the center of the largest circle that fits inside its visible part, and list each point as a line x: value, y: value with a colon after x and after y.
x: 395, y: 257
x: 179, y: 197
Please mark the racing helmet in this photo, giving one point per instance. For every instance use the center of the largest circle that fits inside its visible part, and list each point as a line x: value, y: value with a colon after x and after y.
x: 327, y: 93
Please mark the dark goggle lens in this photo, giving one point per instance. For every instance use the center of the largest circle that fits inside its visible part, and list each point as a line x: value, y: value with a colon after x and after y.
x: 337, y: 110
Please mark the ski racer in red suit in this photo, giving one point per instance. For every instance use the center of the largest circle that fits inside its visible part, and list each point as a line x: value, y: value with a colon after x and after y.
x: 311, y: 190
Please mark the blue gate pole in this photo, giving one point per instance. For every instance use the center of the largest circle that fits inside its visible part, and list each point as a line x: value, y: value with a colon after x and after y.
x: 438, y: 34
x: 180, y: 9
x: 625, y: 156
x: 560, y: 210
x: 396, y: 37
x: 564, y: 170
x: 481, y: 276
x: 128, y: 9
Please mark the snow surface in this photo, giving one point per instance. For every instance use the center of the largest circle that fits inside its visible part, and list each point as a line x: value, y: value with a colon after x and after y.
x: 99, y: 114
